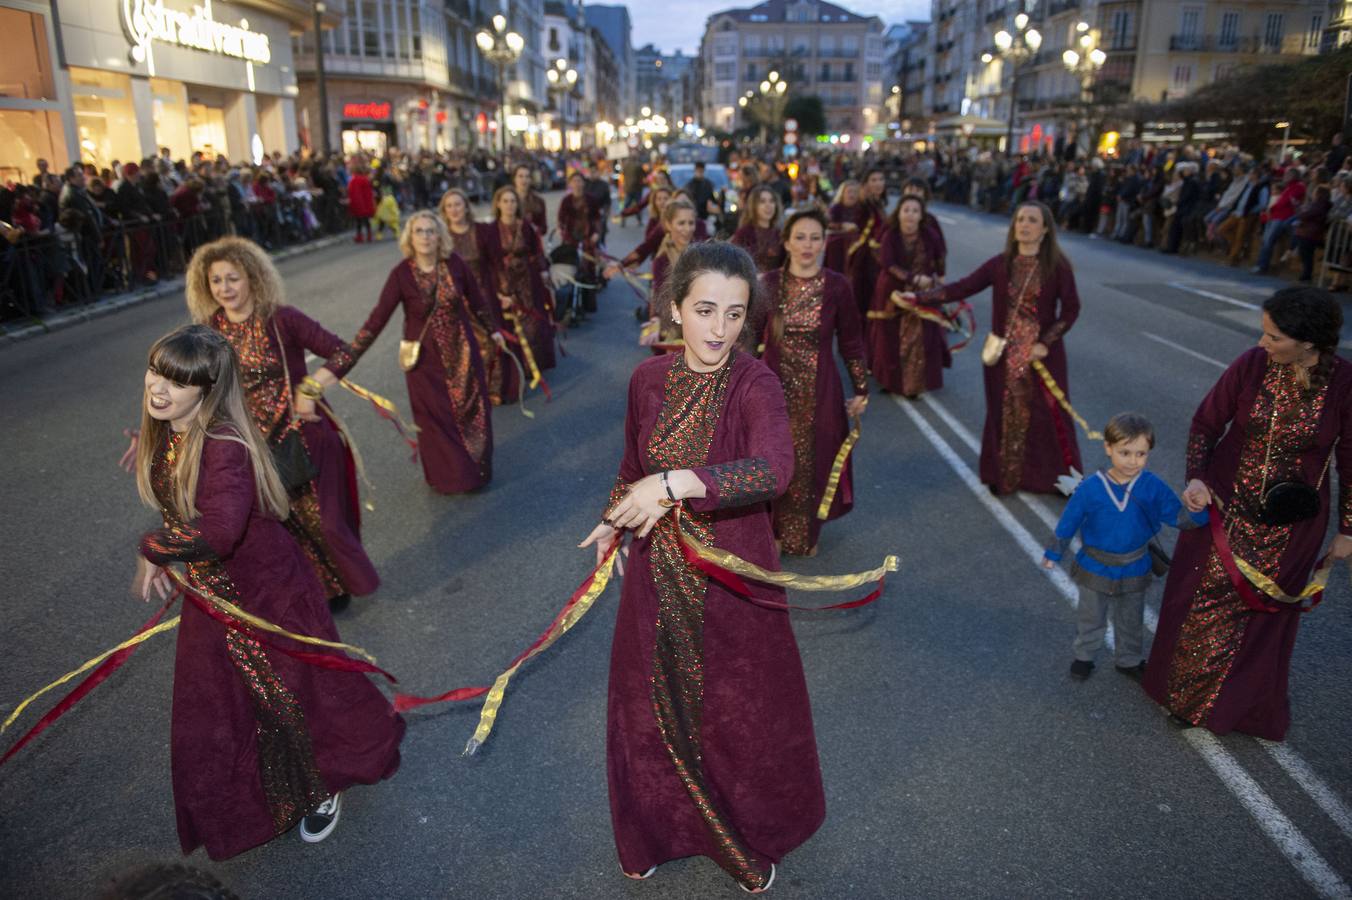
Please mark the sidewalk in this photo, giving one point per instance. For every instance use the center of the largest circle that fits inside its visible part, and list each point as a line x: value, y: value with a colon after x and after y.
x: 24, y: 329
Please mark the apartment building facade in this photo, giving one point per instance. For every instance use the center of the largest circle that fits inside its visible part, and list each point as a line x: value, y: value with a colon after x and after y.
x: 819, y: 48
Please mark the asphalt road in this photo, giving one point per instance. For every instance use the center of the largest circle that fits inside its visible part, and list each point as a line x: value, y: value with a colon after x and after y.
x: 958, y: 756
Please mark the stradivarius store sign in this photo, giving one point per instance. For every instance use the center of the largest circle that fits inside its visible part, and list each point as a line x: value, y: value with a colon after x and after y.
x: 148, y: 22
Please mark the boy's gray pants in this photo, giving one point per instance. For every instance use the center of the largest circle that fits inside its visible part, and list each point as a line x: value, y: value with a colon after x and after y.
x: 1091, y: 623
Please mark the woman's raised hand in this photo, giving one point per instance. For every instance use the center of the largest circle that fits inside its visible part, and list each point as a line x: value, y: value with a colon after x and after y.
x: 903, y: 298
x: 856, y: 405
x: 1039, y: 351
x: 643, y: 506
x: 150, y: 577
x: 602, y: 536
x: 1341, y: 548
x: 128, y: 460
x: 1196, y: 496
x: 304, y: 407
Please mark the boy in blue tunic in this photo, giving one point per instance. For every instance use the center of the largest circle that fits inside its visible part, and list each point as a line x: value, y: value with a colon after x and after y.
x: 1117, y: 512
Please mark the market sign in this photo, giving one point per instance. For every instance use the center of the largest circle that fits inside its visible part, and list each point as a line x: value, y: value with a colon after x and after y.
x: 148, y: 21
x: 375, y: 109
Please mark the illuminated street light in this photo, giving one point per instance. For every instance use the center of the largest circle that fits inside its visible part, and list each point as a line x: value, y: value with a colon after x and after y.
x: 502, y: 48
x: 1017, y: 47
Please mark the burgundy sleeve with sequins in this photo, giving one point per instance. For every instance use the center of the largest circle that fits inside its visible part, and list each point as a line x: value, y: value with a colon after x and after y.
x: 982, y: 278
x: 849, y: 332
x: 390, y: 297
x: 310, y: 335
x: 1068, y: 305
x: 225, y: 498
x: 765, y: 470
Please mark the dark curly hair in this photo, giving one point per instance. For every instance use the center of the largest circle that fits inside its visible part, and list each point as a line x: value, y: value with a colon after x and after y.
x: 1307, y: 313
x: 724, y: 258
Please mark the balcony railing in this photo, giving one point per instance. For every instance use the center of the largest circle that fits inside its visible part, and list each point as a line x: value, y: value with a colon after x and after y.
x: 1210, y: 44
x: 1061, y: 6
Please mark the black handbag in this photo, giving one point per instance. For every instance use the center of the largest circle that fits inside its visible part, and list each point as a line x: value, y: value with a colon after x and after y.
x: 294, y: 466
x: 1288, y: 502
x: 1159, y: 560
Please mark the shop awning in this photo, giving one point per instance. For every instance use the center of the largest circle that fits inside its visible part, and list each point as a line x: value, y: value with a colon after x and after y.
x: 978, y: 126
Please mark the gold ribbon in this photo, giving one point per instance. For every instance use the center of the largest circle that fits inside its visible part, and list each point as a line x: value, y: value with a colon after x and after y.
x: 125, y: 645
x: 739, y: 566
x: 383, y: 403
x: 899, y: 305
x: 351, y: 442
x: 1265, y: 584
x: 863, y: 239
x: 526, y: 351
x: 235, y: 612
x: 1055, y: 390
x: 838, y: 468
x: 600, y: 578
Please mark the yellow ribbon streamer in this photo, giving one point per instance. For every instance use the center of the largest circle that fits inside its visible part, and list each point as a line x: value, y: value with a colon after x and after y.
x: 739, y: 566
x: 898, y: 305
x: 383, y: 403
x: 526, y: 351
x: 128, y: 643
x: 1055, y: 390
x: 863, y: 239
x: 838, y: 468
x: 235, y: 612
x: 351, y: 442
x: 1265, y: 584
x: 492, y: 703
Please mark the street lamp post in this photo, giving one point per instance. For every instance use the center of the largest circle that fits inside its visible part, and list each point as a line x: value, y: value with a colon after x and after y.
x: 772, y: 91
x: 561, y: 80
x: 1016, y: 47
x: 1084, y: 64
x: 320, y: 82
x: 502, y: 48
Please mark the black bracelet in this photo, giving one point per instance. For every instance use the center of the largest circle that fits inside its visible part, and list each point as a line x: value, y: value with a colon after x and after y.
x: 667, y: 484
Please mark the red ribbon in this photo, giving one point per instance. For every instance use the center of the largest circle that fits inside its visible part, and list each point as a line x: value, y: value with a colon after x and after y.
x: 733, y: 582
x: 1058, y: 420
x: 90, y: 681
x: 1246, y: 591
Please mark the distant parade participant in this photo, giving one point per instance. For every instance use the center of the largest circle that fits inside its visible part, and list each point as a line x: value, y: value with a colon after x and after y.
x: 919, y: 187
x: 907, y: 353
x: 580, y: 235
x: 1028, y: 440
x: 809, y: 309
x: 759, y: 230
x: 440, y: 355
x: 470, y: 240
x: 518, y: 267
x: 845, y: 215
x: 701, y: 226
x: 1262, y: 448
x: 260, y: 741
x: 233, y: 287
x: 361, y: 203
x: 532, y: 204
x: 862, y: 257
x: 678, y: 229
x: 652, y: 235
x: 710, y: 748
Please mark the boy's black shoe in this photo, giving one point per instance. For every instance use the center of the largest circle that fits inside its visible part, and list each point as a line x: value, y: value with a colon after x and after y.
x: 1137, y: 671
x: 1081, y: 669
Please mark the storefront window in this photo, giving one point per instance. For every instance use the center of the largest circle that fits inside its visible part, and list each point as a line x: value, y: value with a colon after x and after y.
x: 206, y: 129
x: 29, y: 135
x: 169, y: 101
x: 356, y: 140
x: 104, y: 116
x: 25, y: 66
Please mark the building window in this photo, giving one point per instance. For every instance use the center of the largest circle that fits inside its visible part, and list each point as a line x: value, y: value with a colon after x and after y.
x: 774, y: 44
x: 1273, y: 31
x: 750, y: 71
x: 849, y: 71
x: 826, y: 72
x: 1182, y: 78
x: 826, y: 45
x: 1119, y: 32
x: 849, y: 45
x: 1224, y: 70
x: 802, y: 45
x: 1229, y: 29
x: 725, y: 71
x: 1316, y: 29
x: 1188, y: 27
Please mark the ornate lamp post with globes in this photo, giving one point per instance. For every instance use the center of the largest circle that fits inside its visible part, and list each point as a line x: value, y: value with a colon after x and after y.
x: 562, y: 78
x: 502, y: 48
x: 1015, y: 48
x: 1084, y: 64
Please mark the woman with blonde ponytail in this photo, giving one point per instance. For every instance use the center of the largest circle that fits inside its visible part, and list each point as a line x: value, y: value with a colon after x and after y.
x: 260, y: 741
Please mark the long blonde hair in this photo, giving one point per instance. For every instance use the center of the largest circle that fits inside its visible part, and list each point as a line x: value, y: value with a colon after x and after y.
x: 265, y: 285
x: 199, y: 356
x: 668, y: 246
x: 845, y: 185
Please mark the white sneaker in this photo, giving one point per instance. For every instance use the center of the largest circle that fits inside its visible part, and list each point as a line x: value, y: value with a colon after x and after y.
x: 320, y: 824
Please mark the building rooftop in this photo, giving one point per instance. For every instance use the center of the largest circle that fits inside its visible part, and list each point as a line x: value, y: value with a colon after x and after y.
x: 778, y: 11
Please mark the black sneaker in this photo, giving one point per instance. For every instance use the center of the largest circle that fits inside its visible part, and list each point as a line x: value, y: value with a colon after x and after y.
x: 1081, y: 669
x: 320, y: 823
x: 1136, y: 672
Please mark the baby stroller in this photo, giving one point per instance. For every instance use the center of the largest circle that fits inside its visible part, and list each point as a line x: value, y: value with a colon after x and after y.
x: 572, y: 278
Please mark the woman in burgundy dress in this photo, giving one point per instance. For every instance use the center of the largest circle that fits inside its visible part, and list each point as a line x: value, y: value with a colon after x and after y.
x: 1281, y: 413
x: 447, y: 389
x: 233, y: 287
x: 1028, y: 439
x: 846, y: 215
x: 908, y: 354
x: 759, y: 231
x: 678, y: 230
x: 469, y: 240
x: 517, y: 264
x: 652, y: 235
x: 580, y: 232
x: 919, y: 187
x: 810, y: 308
x: 710, y: 749
x: 532, y: 204
x: 862, y: 259
x: 259, y: 740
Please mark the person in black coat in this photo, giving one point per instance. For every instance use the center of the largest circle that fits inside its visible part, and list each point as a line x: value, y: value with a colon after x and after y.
x: 1185, y: 207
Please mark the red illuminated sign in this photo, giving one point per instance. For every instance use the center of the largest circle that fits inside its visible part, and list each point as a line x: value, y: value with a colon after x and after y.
x: 481, y: 123
x: 441, y: 117
x: 374, y: 109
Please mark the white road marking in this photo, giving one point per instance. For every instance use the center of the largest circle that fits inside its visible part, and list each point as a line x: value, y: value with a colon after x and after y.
x: 1188, y: 350
x: 1279, y: 829
x: 1273, y: 822
x: 1319, y: 791
x: 310, y: 357
x: 1178, y: 285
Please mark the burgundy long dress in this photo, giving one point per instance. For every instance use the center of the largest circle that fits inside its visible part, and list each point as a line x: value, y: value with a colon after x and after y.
x: 533, y: 211
x: 504, y: 383
x: 709, y: 743
x: 447, y: 389
x: 766, y: 245
x: 839, y: 239
x: 907, y: 354
x: 931, y: 224
x: 517, y: 260
x: 652, y: 239
x: 1215, y: 662
x: 1028, y: 440
x: 325, y: 514
x: 816, y: 312
x: 258, y: 739
x: 863, y: 259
